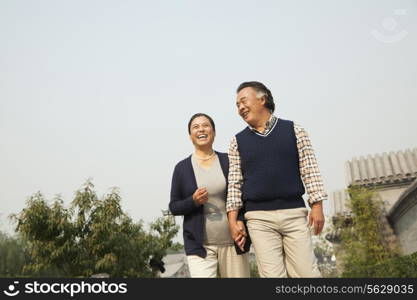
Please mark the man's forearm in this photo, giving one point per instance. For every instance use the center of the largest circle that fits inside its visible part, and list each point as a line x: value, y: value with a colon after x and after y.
x: 232, y: 216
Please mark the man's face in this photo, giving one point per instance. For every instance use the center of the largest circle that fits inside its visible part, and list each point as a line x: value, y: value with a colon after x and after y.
x: 202, y: 133
x: 249, y: 107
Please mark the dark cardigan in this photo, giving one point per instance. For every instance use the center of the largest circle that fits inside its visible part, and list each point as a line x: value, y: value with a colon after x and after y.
x: 183, y: 187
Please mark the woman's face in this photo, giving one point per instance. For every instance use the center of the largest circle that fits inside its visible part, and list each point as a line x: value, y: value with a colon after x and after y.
x: 202, y: 133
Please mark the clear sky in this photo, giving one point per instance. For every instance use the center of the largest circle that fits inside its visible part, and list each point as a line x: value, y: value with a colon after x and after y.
x: 104, y: 89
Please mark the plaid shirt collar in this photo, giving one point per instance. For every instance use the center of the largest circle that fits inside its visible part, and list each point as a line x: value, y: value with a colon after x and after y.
x: 268, y: 126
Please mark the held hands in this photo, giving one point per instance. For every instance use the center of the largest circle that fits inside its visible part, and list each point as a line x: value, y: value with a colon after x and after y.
x: 237, y: 229
x: 316, y: 217
x: 200, y: 196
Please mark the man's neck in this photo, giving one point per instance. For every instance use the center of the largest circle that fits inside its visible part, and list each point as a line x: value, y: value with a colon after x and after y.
x: 261, y: 124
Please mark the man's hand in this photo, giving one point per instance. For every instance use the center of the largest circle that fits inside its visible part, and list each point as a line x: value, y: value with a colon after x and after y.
x: 238, y: 232
x: 237, y: 229
x: 316, y: 217
x: 200, y: 196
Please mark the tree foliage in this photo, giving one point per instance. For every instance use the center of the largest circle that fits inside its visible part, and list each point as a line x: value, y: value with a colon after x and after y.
x: 324, y: 251
x: 91, y: 236
x: 13, y: 256
x: 362, y: 243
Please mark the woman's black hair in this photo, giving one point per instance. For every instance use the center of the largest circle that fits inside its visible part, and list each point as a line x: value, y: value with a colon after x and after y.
x: 201, y: 115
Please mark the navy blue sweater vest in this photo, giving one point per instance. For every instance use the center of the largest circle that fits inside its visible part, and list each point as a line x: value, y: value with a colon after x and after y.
x: 270, y: 168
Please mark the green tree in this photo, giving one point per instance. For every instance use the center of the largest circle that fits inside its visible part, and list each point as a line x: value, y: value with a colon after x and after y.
x: 91, y: 236
x: 13, y: 256
x: 362, y: 242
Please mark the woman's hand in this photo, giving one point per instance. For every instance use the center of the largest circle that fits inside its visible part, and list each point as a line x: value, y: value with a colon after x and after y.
x: 200, y: 196
x: 238, y: 232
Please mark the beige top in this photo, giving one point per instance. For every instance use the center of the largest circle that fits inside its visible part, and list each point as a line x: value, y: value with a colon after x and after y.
x: 215, y: 218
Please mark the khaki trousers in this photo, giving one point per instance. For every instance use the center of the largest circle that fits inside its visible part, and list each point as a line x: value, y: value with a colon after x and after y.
x: 282, y: 242
x: 230, y: 264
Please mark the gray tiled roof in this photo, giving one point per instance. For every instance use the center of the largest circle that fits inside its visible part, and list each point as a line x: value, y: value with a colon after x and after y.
x: 382, y: 169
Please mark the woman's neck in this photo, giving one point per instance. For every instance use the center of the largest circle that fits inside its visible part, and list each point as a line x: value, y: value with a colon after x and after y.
x: 203, y: 152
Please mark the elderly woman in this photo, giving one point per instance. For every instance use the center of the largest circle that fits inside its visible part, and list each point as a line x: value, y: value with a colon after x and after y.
x: 198, y: 192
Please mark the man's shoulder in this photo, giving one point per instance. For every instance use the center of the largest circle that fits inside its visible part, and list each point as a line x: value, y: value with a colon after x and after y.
x: 298, y: 128
x: 289, y: 122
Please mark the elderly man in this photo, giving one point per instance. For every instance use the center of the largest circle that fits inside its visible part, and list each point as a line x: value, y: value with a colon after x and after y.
x: 269, y: 162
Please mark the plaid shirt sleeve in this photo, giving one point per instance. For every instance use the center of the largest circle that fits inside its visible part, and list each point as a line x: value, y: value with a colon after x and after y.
x: 309, y: 169
x: 234, y: 192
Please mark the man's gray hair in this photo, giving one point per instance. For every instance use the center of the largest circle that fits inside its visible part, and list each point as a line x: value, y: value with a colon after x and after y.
x: 260, y: 94
x: 261, y: 91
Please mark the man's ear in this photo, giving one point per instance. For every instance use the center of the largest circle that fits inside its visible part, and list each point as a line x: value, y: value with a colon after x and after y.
x: 263, y: 100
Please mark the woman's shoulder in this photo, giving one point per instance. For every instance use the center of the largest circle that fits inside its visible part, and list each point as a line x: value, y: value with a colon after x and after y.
x: 222, y: 155
x: 183, y: 163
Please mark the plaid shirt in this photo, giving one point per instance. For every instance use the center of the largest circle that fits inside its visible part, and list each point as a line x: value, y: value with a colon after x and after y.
x: 309, y: 170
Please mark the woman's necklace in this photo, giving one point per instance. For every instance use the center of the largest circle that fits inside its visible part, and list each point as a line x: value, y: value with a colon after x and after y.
x: 211, y: 155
